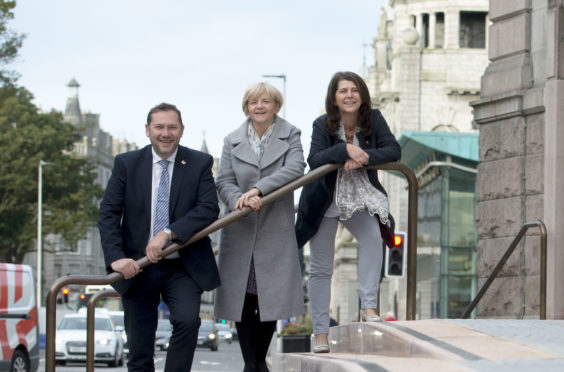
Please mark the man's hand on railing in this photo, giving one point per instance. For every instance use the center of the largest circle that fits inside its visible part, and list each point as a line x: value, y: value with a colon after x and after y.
x: 155, y: 247
x: 127, y: 267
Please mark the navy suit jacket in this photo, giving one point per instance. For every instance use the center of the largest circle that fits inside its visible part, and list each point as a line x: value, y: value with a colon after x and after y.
x: 125, y: 212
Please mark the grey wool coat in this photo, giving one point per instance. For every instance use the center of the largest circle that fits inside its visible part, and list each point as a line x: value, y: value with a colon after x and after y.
x: 267, y: 235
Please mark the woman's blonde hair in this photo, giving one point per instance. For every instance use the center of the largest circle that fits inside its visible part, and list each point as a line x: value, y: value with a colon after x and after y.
x: 257, y: 89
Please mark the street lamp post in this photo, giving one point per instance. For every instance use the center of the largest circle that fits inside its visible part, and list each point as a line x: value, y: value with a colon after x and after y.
x: 39, y: 226
x: 283, y: 77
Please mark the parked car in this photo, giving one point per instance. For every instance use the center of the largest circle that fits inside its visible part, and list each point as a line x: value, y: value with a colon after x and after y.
x: 207, y: 335
x: 224, y: 332
x: 70, y: 341
x: 117, y: 317
x: 19, y: 350
x: 162, y: 335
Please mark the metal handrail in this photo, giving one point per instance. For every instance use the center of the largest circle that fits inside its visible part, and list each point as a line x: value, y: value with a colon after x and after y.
x: 91, y: 322
x: 233, y: 216
x: 504, y: 259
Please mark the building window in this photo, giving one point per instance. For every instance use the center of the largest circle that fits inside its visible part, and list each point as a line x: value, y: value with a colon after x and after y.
x: 79, y: 246
x: 425, y: 31
x: 87, y: 247
x: 440, y: 30
x: 58, y: 243
x: 389, y: 52
x: 472, y: 30
x: 74, y: 269
x: 58, y: 270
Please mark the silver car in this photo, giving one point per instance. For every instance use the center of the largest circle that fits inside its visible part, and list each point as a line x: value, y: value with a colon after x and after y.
x: 162, y: 335
x: 224, y: 332
x: 117, y: 317
x: 70, y: 342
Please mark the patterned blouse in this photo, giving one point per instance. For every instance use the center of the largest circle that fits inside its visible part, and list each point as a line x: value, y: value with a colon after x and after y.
x: 354, y: 192
x: 258, y: 144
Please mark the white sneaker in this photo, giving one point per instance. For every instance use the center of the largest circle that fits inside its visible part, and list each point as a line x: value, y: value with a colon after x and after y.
x: 369, y: 318
x: 318, y: 348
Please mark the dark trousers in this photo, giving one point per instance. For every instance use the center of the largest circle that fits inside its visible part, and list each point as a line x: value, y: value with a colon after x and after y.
x: 169, y: 279
x: 254, y: 336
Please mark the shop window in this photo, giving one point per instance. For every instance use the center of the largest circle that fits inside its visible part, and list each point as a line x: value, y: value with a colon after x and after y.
x: 459, y: 295
x: 472, y: 30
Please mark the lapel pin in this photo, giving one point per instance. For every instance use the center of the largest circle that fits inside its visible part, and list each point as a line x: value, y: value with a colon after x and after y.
x: 183, y: 162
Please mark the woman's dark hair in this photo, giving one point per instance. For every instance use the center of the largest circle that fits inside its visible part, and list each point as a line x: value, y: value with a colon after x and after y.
x: 333, y: 114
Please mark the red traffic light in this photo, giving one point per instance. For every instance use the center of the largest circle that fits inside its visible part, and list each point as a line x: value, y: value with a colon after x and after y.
x: 398, y: 239
x: 65, y: 291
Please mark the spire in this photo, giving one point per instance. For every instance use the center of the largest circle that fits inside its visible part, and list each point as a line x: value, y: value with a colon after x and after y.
x: 72, y: 111
x: 204, y: 145
x: 73, y: 87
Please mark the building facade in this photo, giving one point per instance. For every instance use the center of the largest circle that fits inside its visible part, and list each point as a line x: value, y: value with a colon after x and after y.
x: 520, y: 114
x: 429, y: 58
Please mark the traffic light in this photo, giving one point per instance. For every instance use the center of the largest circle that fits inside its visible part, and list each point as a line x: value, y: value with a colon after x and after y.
x: 395, y: 260
x: 66, y: 295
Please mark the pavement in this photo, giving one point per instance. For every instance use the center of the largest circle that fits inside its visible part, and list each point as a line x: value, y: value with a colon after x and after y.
x: 437, y: 345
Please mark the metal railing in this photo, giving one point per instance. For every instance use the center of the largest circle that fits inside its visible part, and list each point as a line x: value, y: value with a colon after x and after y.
x: 233, y: 216
x: 90, y: 323
x: 526, y: 226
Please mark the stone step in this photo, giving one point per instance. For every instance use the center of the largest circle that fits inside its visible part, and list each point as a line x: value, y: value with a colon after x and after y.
x: 436, y: 345
x: 347, y: 362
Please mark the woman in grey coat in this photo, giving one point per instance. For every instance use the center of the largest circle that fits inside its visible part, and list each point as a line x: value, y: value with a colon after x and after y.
x: 258, y: 255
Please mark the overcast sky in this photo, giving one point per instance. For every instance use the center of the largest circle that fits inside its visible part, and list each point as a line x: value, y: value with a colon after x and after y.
x: 131, y: 55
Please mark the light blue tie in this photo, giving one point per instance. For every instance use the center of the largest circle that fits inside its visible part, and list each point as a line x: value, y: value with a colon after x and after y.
x: 161, y: 211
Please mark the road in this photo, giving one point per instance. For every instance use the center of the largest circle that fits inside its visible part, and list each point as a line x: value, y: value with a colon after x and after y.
x: 226, y: 359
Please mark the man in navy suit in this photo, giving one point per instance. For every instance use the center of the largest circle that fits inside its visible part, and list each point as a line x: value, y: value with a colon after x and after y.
x: 158, y: 194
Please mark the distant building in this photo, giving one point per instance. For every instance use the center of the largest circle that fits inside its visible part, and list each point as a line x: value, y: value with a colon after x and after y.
x: 100, y: 148
x: 429, y: 58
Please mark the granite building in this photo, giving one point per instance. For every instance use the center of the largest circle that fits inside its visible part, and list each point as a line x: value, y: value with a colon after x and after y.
x: 520, y: 113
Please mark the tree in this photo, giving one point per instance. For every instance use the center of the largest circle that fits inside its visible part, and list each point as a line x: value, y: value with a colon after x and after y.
x: 69, y: 193
x: 27, y: 136
x: 10, y: 41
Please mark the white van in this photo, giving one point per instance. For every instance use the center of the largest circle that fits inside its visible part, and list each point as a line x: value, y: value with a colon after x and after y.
x: 89, y: 291
x: 19, y: 332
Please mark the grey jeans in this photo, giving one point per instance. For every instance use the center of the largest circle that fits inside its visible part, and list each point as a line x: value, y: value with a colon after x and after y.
x: 366, y: 230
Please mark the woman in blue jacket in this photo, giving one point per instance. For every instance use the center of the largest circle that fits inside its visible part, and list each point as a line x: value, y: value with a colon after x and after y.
x: 356, y: 135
